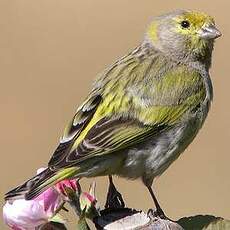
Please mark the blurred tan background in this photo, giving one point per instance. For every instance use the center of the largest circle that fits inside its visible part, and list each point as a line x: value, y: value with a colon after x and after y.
x: 51, y: 50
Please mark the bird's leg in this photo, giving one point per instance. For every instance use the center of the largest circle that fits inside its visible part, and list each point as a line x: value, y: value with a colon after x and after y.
x: 114, y: 198
x: 159, y: 212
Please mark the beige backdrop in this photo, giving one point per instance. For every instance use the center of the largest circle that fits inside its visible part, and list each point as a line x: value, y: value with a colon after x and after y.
x: 51, y: 50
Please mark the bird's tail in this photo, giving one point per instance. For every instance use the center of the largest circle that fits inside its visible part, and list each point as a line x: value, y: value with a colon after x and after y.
x: 39, y: 183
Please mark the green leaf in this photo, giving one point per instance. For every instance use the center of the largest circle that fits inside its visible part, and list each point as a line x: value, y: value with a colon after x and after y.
x: 206, y: 222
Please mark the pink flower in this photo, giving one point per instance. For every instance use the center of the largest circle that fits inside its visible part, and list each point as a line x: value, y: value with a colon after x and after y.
x: 88, y: 198
x: 24, y: 214
x: 71, y: 185
x: 71, y: 191
x: 28, y: 214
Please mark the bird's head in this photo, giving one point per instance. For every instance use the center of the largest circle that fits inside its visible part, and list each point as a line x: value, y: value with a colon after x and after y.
x: 186, y: 35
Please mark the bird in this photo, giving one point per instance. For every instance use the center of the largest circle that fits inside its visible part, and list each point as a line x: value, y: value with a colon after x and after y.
x: 142, y: 111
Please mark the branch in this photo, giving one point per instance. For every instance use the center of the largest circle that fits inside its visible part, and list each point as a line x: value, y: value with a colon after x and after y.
x: 131, y: 219
x: 126, y: 218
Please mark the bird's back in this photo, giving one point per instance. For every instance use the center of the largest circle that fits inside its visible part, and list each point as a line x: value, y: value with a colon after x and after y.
x: 145, y: 88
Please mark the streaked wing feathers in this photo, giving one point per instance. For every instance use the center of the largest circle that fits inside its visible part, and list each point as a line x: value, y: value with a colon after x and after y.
x: 110, y: 135
x: 72, y: 131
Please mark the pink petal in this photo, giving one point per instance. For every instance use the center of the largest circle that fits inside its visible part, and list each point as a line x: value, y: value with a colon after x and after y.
x: 61, y: 186
x: 28, y: 214
x: 50, y: 200
x: 22, y: 214
x: 89, y: 197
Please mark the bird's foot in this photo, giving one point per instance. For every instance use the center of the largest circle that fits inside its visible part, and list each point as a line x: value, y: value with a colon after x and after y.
x: 114, y: 198
x: 157, y: 214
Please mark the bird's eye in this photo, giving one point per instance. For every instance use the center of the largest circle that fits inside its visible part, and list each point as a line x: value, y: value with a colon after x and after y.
x: 185, y: 24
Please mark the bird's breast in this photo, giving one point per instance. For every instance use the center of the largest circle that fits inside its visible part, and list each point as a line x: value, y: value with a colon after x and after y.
x: 154, y: 156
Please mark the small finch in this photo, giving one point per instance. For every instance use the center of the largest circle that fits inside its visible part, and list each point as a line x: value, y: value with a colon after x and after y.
x: 142, y: 112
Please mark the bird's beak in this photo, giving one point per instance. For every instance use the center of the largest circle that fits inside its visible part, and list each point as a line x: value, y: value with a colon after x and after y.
x: 209, y: 32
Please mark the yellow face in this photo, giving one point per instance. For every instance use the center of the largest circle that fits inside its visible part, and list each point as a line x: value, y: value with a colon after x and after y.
x: 183, y: 33
x: 191, y: 23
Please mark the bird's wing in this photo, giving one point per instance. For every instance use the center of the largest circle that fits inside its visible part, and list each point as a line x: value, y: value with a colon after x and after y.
x: 80, y: 120
x: 123, y: 116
